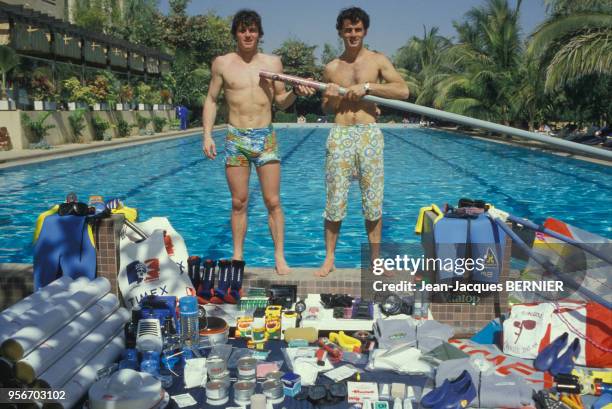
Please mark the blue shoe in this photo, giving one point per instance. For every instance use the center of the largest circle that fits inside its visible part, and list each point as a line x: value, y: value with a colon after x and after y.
x: 455, y: 394
x: 565, y: 363
x: 436, y: 396
x: 549, y: 354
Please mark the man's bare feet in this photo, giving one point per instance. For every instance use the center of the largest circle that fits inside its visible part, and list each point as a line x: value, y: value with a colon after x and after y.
x: 281, y: 268
x: 326, y: 268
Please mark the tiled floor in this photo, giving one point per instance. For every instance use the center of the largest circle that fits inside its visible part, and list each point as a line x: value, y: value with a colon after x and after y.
x: 344, y: 280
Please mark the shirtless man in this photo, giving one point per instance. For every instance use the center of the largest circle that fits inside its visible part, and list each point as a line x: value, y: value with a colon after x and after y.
x: 355, y: 143
x: 250, y: 137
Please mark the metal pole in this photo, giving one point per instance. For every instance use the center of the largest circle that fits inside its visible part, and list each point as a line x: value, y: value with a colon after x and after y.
x: 572, y: 147
x: 583, y: 246
x: 548, y: 266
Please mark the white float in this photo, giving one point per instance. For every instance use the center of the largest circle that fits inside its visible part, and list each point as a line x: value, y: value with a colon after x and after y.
x: 80, y: 383
x: 63, y: 369
x: 33, y: 316
x: 37, y: 361
x: 45, y: 324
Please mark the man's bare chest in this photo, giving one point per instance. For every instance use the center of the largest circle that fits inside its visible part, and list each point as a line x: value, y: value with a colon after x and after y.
x: 351, y: 74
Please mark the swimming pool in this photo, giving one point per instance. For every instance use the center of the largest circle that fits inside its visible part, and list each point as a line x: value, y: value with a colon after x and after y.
x: 173, y: 179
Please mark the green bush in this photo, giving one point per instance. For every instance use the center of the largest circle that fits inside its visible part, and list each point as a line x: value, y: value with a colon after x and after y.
x: 123, y: 128
x: 174, y: 124
x: 310, y: 117
x: 99, y: 126
x: 37, y: 126
x: 77, y: 122
x: 158, y: 123
x: 281, y: 116
x: 142, y: 121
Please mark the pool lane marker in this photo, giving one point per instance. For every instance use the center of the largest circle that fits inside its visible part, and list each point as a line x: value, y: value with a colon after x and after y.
x: 98, y: 165
x: 509, y: 200
x: 467, y: 141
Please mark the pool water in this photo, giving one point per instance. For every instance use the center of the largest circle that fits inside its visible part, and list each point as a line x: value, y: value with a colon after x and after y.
x: 173, y: 179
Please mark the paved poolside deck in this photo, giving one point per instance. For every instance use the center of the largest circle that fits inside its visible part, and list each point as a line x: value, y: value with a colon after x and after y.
x: 27, y: 156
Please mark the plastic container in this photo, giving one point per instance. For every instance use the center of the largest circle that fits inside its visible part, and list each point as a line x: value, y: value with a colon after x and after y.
x: 189, y: 314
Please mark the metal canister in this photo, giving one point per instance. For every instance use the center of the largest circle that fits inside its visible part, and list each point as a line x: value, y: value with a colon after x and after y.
x: 247, y: 367
x: 243, y: 390
x: 274, y: 375
x: 222, y: 376
x: 217, y: 393
x: 215, y: 367
x: 273, y: 390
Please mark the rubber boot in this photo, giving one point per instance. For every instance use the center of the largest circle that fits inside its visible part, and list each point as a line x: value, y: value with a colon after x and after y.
x: 237, y: 273
x: 193, y: 269
x: 564, y: 364
x: 549, y: 354
x: 207, y: 283
x: 223, y: 285
x: 454, y: 394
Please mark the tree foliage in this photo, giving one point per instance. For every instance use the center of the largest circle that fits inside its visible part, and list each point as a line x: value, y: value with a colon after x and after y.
x: 298, y: 59
x: 574, y: 41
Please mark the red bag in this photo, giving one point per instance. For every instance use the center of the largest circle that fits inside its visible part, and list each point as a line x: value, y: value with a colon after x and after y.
x: 590, y: 322
x: 531, y: 327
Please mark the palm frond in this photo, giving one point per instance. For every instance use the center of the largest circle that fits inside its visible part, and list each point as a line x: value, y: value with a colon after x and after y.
x: 556, y: 29
x: 589, y: 53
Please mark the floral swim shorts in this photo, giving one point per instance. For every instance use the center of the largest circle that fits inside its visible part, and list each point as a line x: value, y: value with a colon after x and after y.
x: 246, y: 145
x: 354, y: 150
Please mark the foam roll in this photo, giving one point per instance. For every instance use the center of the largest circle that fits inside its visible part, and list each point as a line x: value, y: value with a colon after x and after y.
x: 37, y: 361
x: 26, y: 339
x: 20, y: 316
x: 34, y: 299
x: 80, y: 383
x: 62, y: 370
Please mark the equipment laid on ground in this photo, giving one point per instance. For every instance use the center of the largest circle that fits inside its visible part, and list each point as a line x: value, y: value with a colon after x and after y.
x: 118, y: 391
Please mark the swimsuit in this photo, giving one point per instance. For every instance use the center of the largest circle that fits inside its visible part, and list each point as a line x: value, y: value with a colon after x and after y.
x: 354, y: 149
x: 246, y: 145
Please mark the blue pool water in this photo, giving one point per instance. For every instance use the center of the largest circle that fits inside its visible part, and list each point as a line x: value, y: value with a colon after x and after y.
x: 173, y: 179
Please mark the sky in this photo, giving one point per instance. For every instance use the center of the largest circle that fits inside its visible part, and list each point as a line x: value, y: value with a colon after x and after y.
x: 392, y: 22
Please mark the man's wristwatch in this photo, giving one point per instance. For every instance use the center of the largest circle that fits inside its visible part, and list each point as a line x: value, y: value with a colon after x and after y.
x: 366, y: 88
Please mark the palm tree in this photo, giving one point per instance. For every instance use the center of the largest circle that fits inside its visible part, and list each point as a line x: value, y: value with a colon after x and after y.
x: 420, y: 63
x: 575, y: 41
x: 484, y: 64
x: 8, y: 60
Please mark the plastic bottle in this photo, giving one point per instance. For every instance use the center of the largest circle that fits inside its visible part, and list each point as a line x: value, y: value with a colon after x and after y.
x: 189, y: 313
x: 150, y: 363
x: 129, y: 359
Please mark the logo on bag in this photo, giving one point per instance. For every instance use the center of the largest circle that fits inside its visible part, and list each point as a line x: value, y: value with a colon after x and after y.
x: 527, y: 324
x: 137, y: 271
x: 490, y: 260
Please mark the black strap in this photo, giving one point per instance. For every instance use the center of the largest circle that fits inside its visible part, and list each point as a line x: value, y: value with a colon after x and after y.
x: 468, y: 242
x: 479, y: 384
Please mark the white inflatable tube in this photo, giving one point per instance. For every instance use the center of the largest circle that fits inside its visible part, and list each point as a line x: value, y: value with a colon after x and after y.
x: 80, y: 383
x: 63, y: 369
x: 45, y: 324
x: 33, y: 300
x: 37, y: 361
x: 32, y: 316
